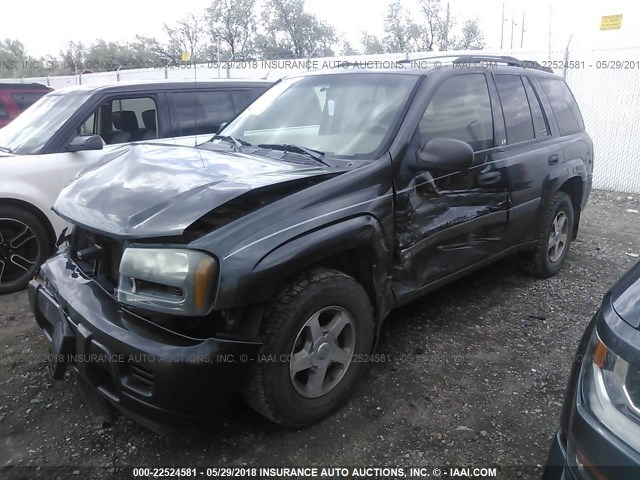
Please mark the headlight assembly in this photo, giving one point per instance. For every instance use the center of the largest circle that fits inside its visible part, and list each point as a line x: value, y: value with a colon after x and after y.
x: 168, y: 280
x: 611, y: 391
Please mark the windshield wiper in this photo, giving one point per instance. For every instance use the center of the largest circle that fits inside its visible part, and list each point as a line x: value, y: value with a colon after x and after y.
x: 315, y: 154
x: 6, y: 150
x: 237, y: 142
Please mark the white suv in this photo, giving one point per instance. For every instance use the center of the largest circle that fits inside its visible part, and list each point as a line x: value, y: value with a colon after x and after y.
x: 71, y: 129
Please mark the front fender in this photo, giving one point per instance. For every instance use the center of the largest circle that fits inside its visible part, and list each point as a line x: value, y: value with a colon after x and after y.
x: 240, y: 288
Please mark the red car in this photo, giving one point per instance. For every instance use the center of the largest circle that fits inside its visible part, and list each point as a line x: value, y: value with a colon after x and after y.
x: 15, y: 98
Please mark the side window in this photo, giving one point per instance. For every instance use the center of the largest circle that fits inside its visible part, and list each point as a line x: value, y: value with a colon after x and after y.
x: 123, y: 120
x: 90, y: 126
x: 25, y: 100
x: 515, y: 107
x: 3, y: 110
x: 563, y: 104
x: 460, y: 109
x: 201, y: 112
x: 539, y: 121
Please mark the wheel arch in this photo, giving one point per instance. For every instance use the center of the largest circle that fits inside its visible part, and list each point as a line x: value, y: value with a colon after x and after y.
x: 354, y: 246
x: 37, y: 212
x: 574, y: 187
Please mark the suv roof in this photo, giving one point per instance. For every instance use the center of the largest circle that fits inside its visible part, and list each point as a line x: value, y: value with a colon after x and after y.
x: 440, y: 62
x: 23, y: 86
x: 165, y: 84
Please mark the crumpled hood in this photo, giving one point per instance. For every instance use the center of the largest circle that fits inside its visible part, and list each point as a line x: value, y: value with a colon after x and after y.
x: 149, y: 190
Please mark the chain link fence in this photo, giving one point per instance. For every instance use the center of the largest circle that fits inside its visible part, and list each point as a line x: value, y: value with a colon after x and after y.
x: 606, y: 84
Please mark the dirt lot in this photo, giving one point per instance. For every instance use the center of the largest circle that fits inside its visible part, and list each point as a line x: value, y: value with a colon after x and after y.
x: 487, y: 360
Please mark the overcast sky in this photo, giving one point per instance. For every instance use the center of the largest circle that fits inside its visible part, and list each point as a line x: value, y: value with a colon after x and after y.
x: 51, y: 24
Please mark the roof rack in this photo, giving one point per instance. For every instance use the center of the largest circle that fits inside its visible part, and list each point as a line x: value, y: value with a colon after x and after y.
x: 467, y: 59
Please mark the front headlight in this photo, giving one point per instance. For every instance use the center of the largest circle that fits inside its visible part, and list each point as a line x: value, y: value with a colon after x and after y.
x: 167, y: 280
x: 611, y: 391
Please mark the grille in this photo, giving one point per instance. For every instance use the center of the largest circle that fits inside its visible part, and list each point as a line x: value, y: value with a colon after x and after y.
x: 96, y: 255
x: 140, y: 378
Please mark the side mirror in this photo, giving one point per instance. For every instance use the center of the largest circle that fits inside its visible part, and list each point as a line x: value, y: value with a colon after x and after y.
x: 85, y: 142
x: 445, y: 154
x: 222, y: 127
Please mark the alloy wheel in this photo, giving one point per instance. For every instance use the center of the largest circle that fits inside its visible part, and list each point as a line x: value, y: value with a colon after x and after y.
x: 558, y: 236
x: 19, y: 251
x: 322, y: 352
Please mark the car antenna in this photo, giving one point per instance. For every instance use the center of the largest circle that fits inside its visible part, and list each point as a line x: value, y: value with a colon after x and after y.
x: 268, y: 72
x: 195, y: 97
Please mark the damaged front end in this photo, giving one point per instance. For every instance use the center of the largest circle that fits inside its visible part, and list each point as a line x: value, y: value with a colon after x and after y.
x: 147, y: 366
x: 129, y: 305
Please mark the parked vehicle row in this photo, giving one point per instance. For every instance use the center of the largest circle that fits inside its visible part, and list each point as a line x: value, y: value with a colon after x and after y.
x: 72, y: 129
x: 266, y: 259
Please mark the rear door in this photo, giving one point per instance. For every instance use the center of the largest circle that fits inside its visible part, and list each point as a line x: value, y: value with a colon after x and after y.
x: 529, y: 156
x: 196, y: 115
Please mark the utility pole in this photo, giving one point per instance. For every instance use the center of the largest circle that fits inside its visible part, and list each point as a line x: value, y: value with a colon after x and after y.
x: 522, y: 31
x: 550, y: 33
x: 218, y: 53
x: 502, y: 29
x: 512, y: 25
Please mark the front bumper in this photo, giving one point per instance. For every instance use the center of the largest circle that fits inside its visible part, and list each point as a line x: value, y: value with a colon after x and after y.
x: 155, y: 375
x: 591, y: 446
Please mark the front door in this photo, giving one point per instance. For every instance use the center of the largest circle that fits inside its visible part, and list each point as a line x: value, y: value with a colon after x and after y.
x: 448, y: 221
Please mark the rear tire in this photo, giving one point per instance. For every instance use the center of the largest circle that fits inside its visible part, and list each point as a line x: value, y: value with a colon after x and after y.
x: 554, y: 239
x: 312, y: 331
x: 24, y: 246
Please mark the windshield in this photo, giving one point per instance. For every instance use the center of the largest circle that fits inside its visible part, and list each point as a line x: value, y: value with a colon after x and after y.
x: 37, y: 124
x: 340, y: 115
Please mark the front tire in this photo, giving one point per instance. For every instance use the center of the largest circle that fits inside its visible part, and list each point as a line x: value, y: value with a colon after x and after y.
x: 24, y: 246
x: 554, y: 239
x: 315, y: 333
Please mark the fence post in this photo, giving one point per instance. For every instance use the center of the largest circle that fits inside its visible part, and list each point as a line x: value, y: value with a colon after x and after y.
x: 566, y: 59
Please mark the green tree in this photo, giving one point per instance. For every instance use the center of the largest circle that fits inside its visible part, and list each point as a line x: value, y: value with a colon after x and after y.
x: 472, y: 38
x: 371, y: 44
x: 187, y: 35
x: 232, y: 23
x: 402, y: 34
x: 73, y: 58
x: 434, y: 25
x: 347, y: 49
x: 292, y: 32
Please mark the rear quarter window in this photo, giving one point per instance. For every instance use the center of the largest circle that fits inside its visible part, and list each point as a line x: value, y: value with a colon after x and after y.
x: 201, y: 112
x: 563, y: 104
x: 26, y: 99
x: 3, y: 110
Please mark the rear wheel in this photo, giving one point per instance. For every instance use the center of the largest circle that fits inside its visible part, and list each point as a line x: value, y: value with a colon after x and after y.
x: 24, y: 245
x: 554, y: 239
x: 315, y: 332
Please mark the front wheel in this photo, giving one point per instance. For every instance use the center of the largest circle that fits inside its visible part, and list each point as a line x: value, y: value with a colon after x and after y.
x: 24, y: 246
x: 554, y: 239
x: 316, y: 332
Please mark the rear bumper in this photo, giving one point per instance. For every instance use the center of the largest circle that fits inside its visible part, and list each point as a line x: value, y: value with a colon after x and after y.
x: 151, y: 373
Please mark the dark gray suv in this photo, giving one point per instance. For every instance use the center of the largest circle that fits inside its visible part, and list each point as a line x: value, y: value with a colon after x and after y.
x: 266, y: 260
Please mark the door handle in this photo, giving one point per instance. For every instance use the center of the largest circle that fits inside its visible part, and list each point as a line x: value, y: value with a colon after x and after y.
x: 489, y: 178
x: 554, y: 159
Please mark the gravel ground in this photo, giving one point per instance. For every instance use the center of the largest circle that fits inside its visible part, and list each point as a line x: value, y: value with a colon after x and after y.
x: 478, y: 378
